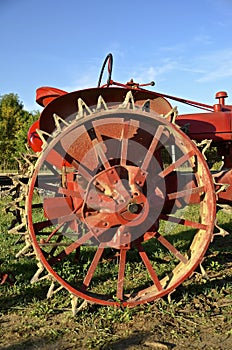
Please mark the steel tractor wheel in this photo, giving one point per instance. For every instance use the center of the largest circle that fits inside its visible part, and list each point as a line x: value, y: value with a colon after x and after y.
x: 121, y: 204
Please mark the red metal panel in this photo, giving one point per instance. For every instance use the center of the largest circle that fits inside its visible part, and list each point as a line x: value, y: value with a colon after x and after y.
x: 216, y: 126
x: 57, y: 207
x: 46, y: 94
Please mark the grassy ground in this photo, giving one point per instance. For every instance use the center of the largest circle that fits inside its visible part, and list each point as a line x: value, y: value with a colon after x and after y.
x: 198, y: 316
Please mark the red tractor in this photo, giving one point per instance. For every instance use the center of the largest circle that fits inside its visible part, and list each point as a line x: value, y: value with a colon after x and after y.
x: 123, y: 181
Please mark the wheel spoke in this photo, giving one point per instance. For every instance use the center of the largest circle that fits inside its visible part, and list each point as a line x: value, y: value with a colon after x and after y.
x: 153, y: 145
x: 149, y: 267
x: 54, y: 232
x: 186, y: 193
x: 82, y: 240
x: 101, y: 153
x: 176, y: 220
x: 37, y: 206
x: 39, y: 226
x: 52, y: 251
x: 176, y: 164
x: 52, y: 169
x: 98, y: 143
x: 124, y: 143
x: 60, y: 220
x: 92, y: 267
x: 171, y: 248
x: 81, y: 169
x: 121, y: 273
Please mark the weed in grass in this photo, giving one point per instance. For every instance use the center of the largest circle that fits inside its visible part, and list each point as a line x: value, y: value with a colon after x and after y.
x: 41, y: 308
x: 116, y: 315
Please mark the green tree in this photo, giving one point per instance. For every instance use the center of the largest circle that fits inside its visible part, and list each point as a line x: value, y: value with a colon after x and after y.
x: 14, y: 124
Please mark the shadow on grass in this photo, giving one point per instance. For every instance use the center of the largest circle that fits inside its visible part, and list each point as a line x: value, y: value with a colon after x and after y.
x: 139, y: 341
x: 31, y: 344
x: 21, y: 291
x: 195, y: 289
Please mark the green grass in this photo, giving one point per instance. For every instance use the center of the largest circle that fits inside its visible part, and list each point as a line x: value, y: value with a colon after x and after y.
x: 29, y: 320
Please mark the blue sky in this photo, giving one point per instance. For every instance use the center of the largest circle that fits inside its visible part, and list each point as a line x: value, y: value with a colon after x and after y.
x: 184, y: 46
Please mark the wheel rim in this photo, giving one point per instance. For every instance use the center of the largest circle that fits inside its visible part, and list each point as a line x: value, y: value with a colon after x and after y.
x: 103, y: 222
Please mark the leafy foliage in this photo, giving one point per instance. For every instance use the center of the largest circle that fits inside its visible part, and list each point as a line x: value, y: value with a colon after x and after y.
x: 14, y: 124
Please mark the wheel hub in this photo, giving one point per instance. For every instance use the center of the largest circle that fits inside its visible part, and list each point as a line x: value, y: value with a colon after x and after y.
x: 134, y: 208
x: 114, y: 198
